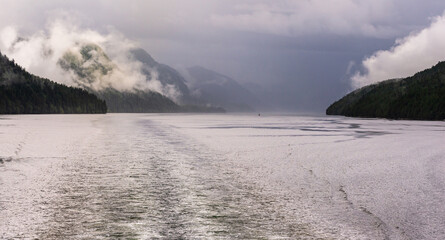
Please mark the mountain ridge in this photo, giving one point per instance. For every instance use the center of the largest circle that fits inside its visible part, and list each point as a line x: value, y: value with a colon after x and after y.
x: 220, y: 90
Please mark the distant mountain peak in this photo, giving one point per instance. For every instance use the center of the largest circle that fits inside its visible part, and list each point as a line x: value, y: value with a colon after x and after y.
x: 167, y: 75
x: 220, y: 90
x: 201, y: 73
x: 143, y: 56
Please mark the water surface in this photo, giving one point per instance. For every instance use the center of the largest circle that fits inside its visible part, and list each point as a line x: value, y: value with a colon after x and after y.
x: 136, y: 176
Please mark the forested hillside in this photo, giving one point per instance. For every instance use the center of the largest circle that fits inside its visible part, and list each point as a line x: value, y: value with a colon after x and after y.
x: 420, y: 97
x: 23, y: 93
x: 137, y: 102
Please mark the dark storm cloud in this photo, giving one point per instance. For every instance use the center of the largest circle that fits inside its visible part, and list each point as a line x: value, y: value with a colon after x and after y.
x: 300, y: 51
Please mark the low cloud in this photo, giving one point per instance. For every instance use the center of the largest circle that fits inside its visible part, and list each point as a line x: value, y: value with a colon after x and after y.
x: 43, y: 53
x: 409, y: 55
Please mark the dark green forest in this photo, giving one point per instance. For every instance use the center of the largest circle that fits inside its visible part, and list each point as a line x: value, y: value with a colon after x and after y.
x: 24, y: 93
x: 420, y: 97
x: 137, y: 102
x: 148, y: 102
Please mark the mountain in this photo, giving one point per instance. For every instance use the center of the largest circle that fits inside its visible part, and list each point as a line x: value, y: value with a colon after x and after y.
x: 89, y: 65
x: 216, y: 89
x: 165, y: 74
x: 420, y: 97
x: 23, y: 93
x: 93, y: 70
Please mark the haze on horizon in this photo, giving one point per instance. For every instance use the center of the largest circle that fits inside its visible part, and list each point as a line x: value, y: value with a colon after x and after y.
x: 305, y: 54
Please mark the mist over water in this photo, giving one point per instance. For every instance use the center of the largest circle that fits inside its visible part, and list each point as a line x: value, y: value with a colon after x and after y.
x: 219, y: 177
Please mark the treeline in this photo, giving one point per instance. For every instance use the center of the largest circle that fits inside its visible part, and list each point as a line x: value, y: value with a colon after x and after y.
x: 137, y: 102
x: 420, y: 97
x: 149, y: 102
x: 24, y: 93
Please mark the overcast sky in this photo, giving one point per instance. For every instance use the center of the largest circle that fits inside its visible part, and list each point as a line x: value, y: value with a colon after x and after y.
x: 305, y: 53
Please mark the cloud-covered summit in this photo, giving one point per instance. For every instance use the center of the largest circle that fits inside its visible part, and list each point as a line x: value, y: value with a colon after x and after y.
x: 68, y: 54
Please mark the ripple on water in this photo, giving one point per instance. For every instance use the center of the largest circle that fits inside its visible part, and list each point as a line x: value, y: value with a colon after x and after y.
x: 136, y: 180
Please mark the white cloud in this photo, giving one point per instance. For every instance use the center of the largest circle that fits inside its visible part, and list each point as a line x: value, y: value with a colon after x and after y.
x: 41, y: 53
x: 8, y: 36
x: 416, y: 52
x: 293, y: 18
